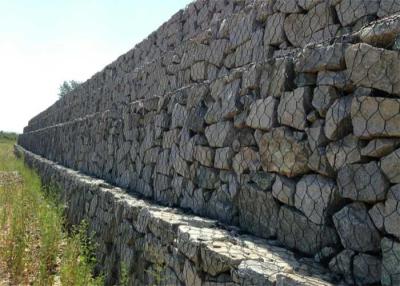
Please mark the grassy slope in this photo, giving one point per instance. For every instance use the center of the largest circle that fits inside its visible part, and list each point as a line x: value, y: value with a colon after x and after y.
x: 34, y: 247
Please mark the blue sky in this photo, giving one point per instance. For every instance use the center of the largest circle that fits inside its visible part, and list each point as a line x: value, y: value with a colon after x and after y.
x: 44, y: 42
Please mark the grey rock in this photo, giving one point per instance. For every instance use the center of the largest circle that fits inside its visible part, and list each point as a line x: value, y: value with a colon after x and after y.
x: 198, y: 71
x: 374, y: 67
x: 296, y: 231
x: 302, y: 29
x: 262, y: 179
x: 339, y: 79
x: 388, y: 7
x: 204, y: 155
x: 342, y: 264
x: 287, y: 6
x: 375, y: 117
x: 349, y: 11
x: 380, y: 147
x: 316, y: 197
x: 356, y: 229
x: 246, y: 160
x: 223, y: 158
x: 256, y: 273
x: 381, y: 33
x: 324, y: 97
x: 305, y: 79
x: 206, y: 178
x: 294, y: 106
x: 318, y: 162
x: 338, y: 118
x: 220, y: 134
x: 366, y: 269
x: 390, y: 166
x: 284, y: 190
x: 179, y: 116
x: 321, y: 57
x: 377, y: 214
x: 280, y: 152
x: 316, y: 135
x: 390, y: 262
x: 277, y: 77
x: 263, y: 114
x: 344, y: 151
x: 362, y: 182
x: 392, y: 211
x: 274, y: 32
x: 258, y: 211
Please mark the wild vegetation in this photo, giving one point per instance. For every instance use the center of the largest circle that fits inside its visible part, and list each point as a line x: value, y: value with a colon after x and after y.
x: 35, y: 247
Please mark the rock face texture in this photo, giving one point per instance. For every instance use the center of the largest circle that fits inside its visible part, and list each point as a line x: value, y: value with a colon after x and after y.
x: 277, y: 122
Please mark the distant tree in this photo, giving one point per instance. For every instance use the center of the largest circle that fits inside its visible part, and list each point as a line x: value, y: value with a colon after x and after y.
x: 67, y: 87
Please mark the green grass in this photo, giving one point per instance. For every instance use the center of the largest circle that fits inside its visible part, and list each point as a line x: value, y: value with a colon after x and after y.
x: 35, y: 249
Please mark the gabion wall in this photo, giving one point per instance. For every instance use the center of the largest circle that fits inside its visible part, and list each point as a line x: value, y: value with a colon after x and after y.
x: 279, y: 117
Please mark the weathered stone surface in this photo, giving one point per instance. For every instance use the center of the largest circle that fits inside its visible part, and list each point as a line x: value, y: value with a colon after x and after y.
x: 179, y: 116
x: 375, y: 117
x: 223, y: 158
x: 380, y: 147
x: 321, y: 57
x: 349, y: 11
x: 198, y: 71
x: 318, y: 162
x: 344, y: 151
x: 297, y: 232
x: 342, y: 264
x: 284, y: 190
x: 258, y: 211
x: 338, y: 118
x: 220, y: 134
x: 374, y: 67
x: 392, y: 211
x: 246, y: 160
x: 294, y: 106
x: 366, y: 269
x: 390, y: 262
x: 204, y: 155
x: 381, y: 33
x: 263, y: 114
x: 316, y: 25
x: 316, y: 197
x: 362, y: 182
x: 287, y: 6
x: 355, y: 228
x: 274, y: 32
x: 388, y: 7
x: 377, y: 214
x: 390, y: 166
x: 324, y: 97
x: 299, y: 280
x: 339, y: 79
x: 280, y: 152
x: 316, y: 135
x: 277, y: 77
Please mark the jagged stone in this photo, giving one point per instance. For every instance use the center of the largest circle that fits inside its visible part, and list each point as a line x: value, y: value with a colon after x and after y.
x: 296, y: 231
x: 302, y: 29
x: 274, y: 32
x: 342, y: 264
x: 377, y: 214
x: 263, y: 114
x: 280, y: 152
x: 204, y: 155
x: 220, y: 134
x: 390, y: 262
x: 366, y: 269
x: 349, y: 11
x: 390, y: 166
x: 374, y: 67
x: 258, y: 211
x: 321, y: 57
x: 246, y: 159
x: 392, y: 211
x: 381, y: 33
x: 284, y: 190
x: 380, y: 147
x: 338, y: 118
x: 324, y: 97
x: 355, y: 228
x: 277, y: 77
x: 223, y: 158
x: 344, y: 151
x: 362, y: 182
x: 375, y: 117
x: 388, y: 7
x: 316, y: 197
x: 294, y: 106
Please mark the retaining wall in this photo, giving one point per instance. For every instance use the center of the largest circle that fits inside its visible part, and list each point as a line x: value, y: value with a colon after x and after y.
x: 278, y: 117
